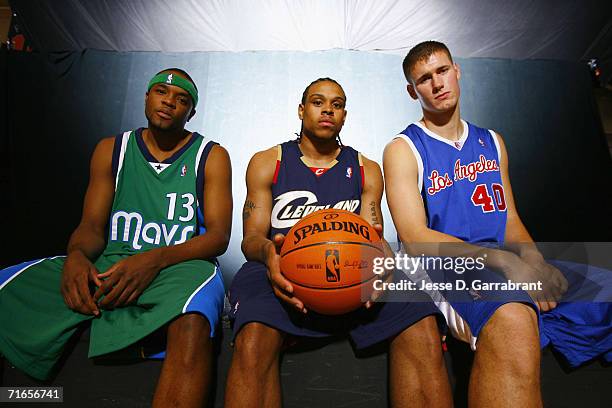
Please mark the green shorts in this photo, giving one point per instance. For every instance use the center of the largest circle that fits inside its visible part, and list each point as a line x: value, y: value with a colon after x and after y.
x: 36, y: 324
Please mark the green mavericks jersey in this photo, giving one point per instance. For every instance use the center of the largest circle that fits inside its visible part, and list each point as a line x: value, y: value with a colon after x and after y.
x: 155, y: 204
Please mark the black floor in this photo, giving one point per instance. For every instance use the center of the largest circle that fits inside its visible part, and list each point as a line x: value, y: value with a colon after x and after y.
x: 326, y: 376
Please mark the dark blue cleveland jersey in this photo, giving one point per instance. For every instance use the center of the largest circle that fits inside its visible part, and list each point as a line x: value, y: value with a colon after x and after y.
x: 460, y: 182
x: 297, y: 191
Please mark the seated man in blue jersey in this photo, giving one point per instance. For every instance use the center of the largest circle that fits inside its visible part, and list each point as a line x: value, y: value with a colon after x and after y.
x: 318, y: 170
x: 157, y: 212
x: 447, y: 183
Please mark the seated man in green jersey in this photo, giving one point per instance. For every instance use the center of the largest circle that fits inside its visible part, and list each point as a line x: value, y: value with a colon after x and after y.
x: 157, y: 212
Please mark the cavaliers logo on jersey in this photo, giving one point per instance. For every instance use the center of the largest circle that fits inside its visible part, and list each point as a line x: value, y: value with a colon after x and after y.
x: 291, y: 206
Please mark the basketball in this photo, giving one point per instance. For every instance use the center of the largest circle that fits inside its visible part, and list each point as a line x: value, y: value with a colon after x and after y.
x: 328, y: 257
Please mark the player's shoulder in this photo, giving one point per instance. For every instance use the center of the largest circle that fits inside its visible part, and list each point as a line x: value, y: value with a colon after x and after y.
x: 494, y: 134
x: 269, y: 155
x: 403, y: 138
x: 398, y: 141
x: 218, y: 158
x: 369, y: 164
x: 105, y: 147
x: 477, y: 128
x: 218, y: 151
x: 263, y: 163
x: 105, y: 142
x: 399, y: 146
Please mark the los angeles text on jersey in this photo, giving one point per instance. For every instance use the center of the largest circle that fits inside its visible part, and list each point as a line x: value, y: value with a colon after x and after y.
x: 292, y: 206
x: 468, y: 171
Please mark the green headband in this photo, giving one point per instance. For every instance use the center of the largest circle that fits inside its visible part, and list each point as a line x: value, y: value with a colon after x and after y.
x: 173, y: 79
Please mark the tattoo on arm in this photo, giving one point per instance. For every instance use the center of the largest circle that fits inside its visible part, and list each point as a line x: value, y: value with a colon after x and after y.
x: 248, y: 207
x: 373, y: 213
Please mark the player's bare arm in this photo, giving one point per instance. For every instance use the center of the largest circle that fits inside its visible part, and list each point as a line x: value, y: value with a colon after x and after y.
x: 256, y: 225
x: 258, y: 206
x: 88, y: 239
x: 371, y: 197
x: 518, y: 240
x: 128, y: 278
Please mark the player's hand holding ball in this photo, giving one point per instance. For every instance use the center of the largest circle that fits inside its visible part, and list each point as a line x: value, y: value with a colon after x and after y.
x: 282, y: 287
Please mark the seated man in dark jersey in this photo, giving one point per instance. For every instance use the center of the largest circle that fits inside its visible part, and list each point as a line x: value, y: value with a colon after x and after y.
x: 157, y: 212
x: 285, y: 183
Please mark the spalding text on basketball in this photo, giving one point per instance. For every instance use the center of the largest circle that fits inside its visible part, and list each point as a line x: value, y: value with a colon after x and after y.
x: 316, y: 227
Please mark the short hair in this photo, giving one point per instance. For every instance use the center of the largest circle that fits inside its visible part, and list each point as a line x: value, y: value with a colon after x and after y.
x: 305, y: 94
x: 326, y: 79
x: 421, y: 52
x: 183, y: 72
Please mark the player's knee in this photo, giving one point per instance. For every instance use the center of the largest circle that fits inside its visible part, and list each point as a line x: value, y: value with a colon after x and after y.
x: 517, y: 321
x: 514, y: 326
x: 191, y: 334
x: 257, y: 345
x: 193, y: 324
x: 419, y: 344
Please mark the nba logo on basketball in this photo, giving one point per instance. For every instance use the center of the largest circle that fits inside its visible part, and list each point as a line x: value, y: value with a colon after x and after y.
x: 183, y: 171
x: 332, y: 265
x: 349, y: 172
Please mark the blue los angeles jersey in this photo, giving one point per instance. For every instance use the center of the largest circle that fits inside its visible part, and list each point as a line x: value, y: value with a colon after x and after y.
x: 460, y: 182
x: 297, y: 191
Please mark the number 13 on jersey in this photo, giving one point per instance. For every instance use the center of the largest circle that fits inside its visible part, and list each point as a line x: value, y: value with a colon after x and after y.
x: 481, y: 197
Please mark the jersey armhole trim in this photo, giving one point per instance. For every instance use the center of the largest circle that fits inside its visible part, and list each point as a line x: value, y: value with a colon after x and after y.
x: 279, y: 157
x: 200, y: 163
x: 203, y: 144
x: 496, y: 141
x: 124, y: 141
x: 361, y: 169
x: 417, y: 157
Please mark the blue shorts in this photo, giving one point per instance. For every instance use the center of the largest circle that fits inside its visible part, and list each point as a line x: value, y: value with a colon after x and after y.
x: 253, y: 300
x: 466, y: 311
x: 580, y: 327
